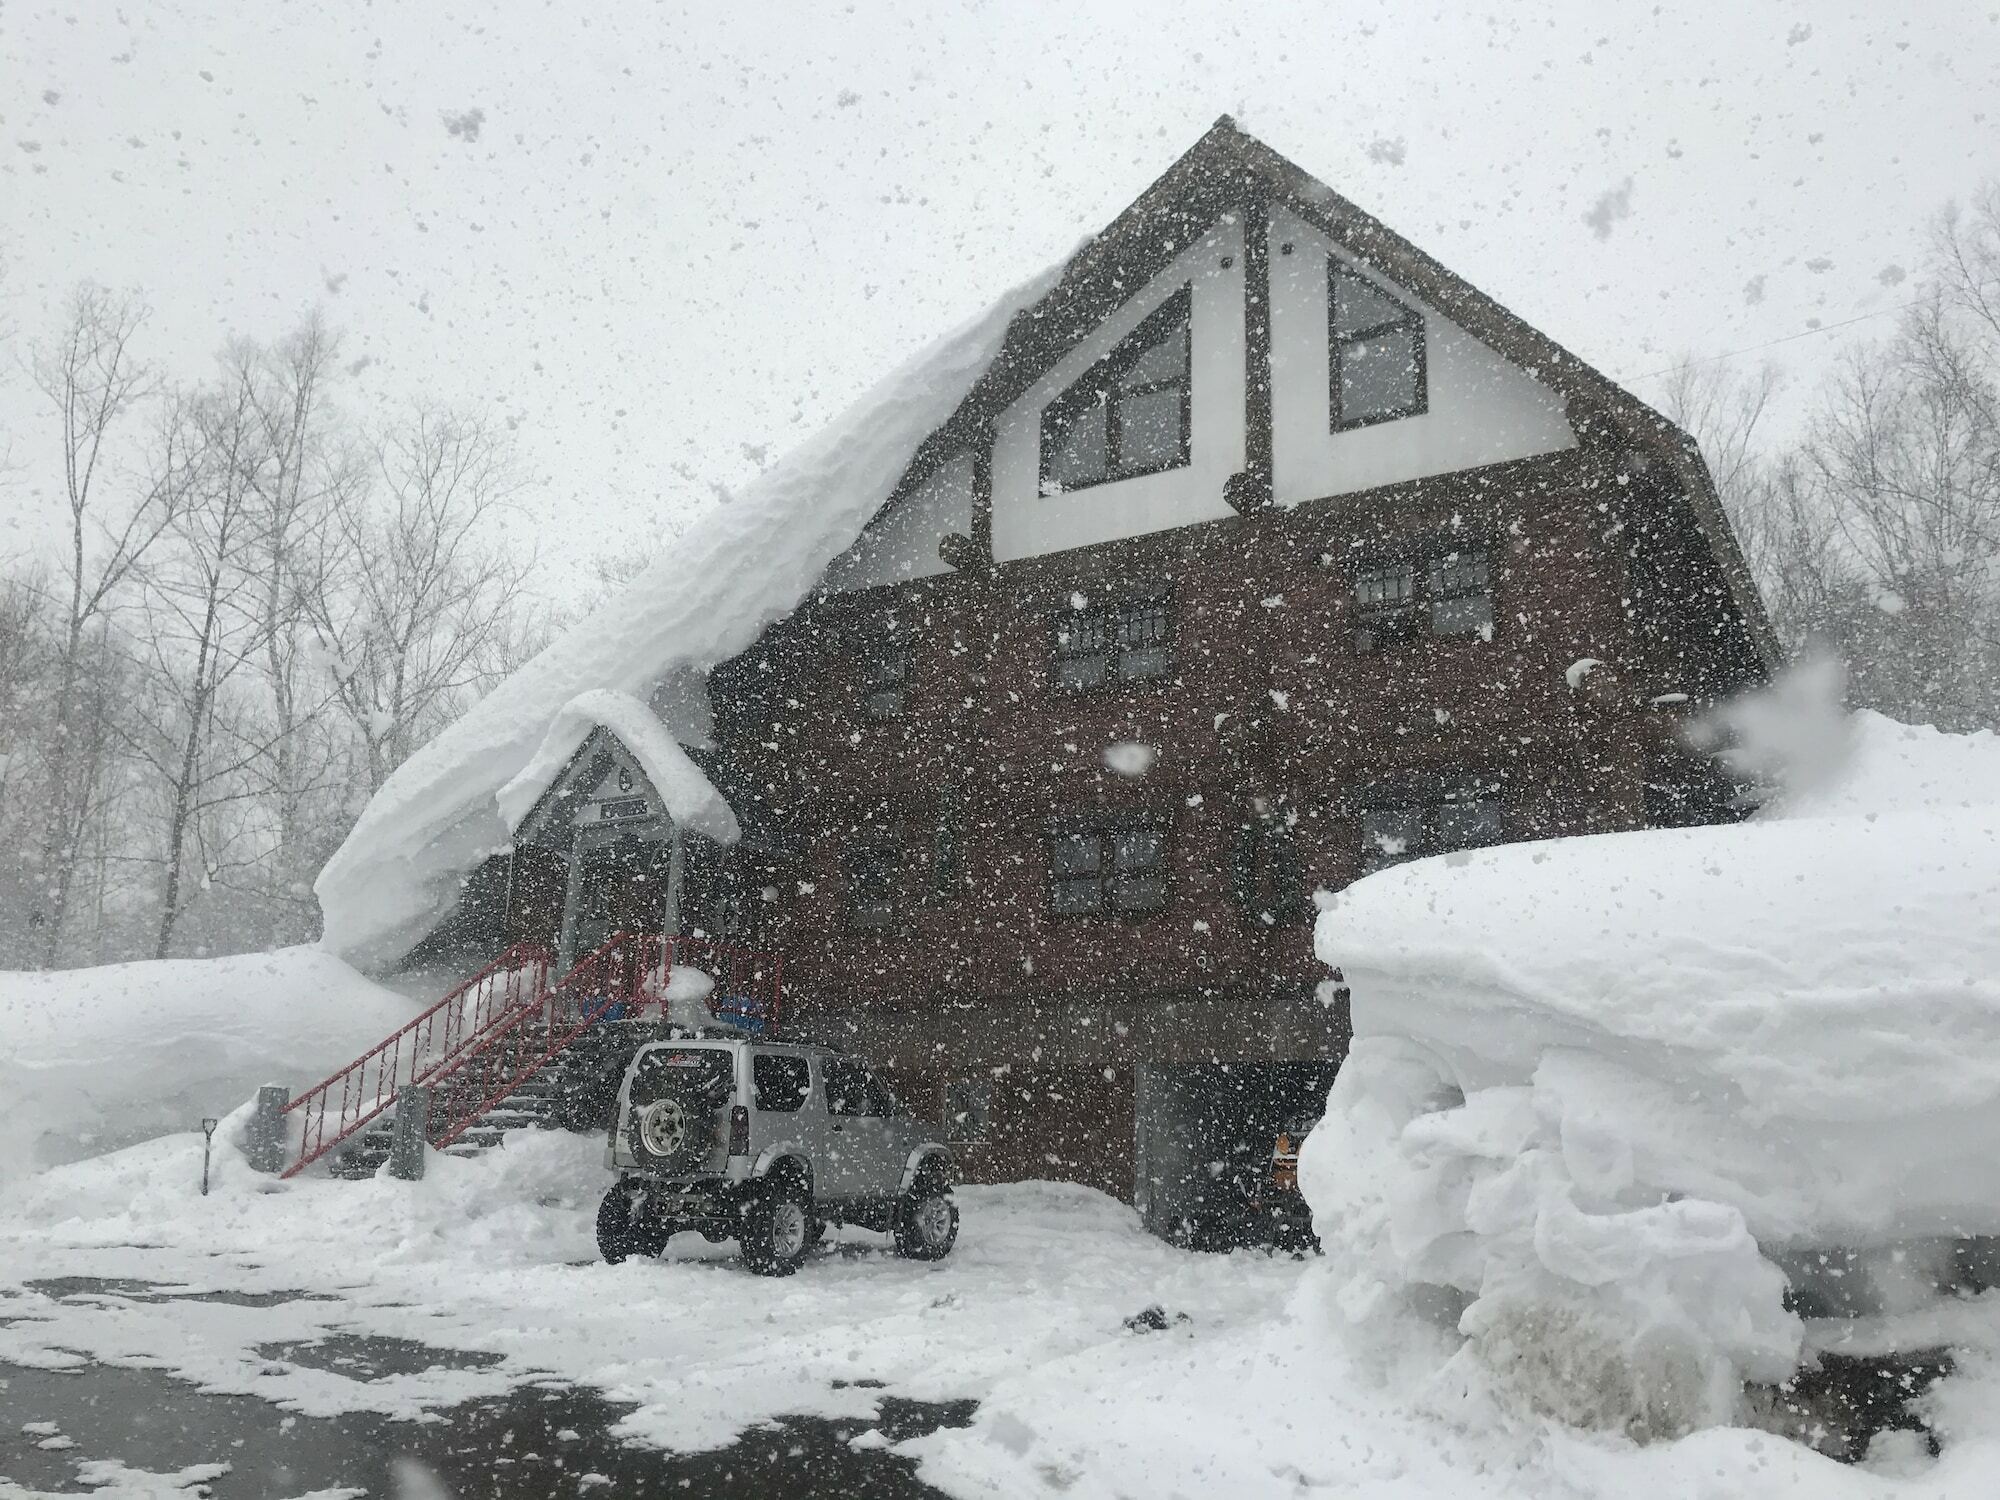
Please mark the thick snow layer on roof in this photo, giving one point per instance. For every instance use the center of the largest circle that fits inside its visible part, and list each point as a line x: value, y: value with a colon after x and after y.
x: 691, y: 799
x: 1600, y: 1084
x: 741, y: 566
x: 95, y: 1059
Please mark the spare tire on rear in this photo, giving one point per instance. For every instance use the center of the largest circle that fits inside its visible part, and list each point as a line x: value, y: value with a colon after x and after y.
x: 671, y: 1124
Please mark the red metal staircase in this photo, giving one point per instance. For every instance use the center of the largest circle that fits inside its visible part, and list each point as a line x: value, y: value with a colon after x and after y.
x: 490, y: 1036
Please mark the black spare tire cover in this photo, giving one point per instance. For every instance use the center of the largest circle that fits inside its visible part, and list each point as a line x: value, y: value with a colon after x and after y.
x: 671, y: 1123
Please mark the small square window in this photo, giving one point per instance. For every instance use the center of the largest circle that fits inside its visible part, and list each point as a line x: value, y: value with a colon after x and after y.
x: 1130, y: 641
x: 1117, y: 866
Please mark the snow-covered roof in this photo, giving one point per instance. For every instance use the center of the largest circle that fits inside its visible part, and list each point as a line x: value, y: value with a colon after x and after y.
x: 739, y: 567
x: 1802, y: 1011
x: 690, y: 797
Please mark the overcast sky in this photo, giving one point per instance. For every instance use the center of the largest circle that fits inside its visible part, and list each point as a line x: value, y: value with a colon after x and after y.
x: 666, y: 241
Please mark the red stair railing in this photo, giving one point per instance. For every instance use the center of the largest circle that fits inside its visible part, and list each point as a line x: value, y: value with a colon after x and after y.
x: 493, y: 1033
x: 621, y: 980
x: 417, y: 1052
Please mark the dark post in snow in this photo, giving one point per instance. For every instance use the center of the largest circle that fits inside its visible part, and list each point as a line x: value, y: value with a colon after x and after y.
x: 407, y: 1145
x: 207, y: 1138
x: 264, y: 1138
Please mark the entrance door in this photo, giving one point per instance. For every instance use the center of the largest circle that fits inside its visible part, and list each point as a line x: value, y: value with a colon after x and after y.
x: 618, y: 883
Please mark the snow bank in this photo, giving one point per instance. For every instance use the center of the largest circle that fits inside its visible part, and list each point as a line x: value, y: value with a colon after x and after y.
x: 1597, y: 1082
x: 691, y: 798
x: 95, y: 1059
x: 739, y: 567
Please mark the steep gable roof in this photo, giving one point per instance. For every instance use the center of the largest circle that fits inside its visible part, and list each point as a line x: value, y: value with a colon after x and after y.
x: 1221, y: 174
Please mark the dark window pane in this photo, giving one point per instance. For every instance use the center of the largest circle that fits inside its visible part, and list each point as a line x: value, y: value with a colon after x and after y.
x: 1082, y: 634
x: 1149, y: 430
x: 1073, y: 895
x: 782, y: 1082
x: 1469, y: 615
x: 1079, y: 672
x: 1081, y: 453
x: 885, y: 703
x: 1378, y: 375
x: 1390, y: 835
x: 1164, y: 361
x: 1077, y: 854
x: 1467, y: 825
x: 1360, y: 305
x: 846, y: 1087
x: 1142, y: 623
x: 1463, y: 571
x: 1137, y: 849
x: 1385, y: 585
x: 1145, y: 662
x: 1139, y: 892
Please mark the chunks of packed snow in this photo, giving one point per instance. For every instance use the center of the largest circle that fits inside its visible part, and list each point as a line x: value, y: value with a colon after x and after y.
x: 1597, y: 1084
x: 96, y: 1059
x: 691, y: 799
x: 739, y: 567
x: 1129, y: 758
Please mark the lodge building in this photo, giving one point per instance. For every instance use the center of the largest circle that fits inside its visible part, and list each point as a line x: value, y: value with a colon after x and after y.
x: 1263, y: 553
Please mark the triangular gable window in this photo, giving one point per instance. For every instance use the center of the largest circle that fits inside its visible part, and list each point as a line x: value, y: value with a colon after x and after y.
x: 1377, y: 368
x: 1130, y: 412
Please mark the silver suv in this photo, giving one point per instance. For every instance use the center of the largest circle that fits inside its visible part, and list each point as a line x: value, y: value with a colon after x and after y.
x: 767, y: 1143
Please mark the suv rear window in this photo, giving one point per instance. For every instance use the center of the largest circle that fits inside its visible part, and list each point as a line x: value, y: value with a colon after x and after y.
x: 852, y: 1090
x: 711, y: 1066
x: 782, y: 1082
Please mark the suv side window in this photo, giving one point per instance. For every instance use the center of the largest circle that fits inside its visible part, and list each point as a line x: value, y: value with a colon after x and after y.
x: 782, y: 1082
x: 852, y: 1090
x: 846, y: 1087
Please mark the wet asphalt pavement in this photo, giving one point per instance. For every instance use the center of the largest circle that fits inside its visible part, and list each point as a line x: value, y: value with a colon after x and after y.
x: 540, y: 1439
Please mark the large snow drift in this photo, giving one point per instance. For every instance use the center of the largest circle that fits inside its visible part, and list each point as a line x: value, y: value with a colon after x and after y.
x: 739, y: 567
x: 1598, y: 1082
x: 95, y: 1059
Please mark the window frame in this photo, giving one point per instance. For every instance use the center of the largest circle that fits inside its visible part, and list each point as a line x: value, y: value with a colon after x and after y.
x: 1105, y: 829
x: 1110, y: 617
x: 1411, y: 318
x: 1415, y: 617
x: 1098, y: 385
x: 859, y: 913
x: 759, y: 1091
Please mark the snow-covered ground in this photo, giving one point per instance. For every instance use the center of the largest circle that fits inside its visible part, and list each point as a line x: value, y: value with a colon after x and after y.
x: 1248, y: 1396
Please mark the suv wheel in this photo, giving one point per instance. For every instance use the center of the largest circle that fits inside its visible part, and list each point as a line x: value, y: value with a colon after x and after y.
x: 626, y: 1227
x: 927, y: 1220
x: 777, y: 1230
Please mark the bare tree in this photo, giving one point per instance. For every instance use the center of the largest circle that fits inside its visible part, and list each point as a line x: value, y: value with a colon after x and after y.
x: 93, y: 379
x: 428, y: 606
x: 201, y: 628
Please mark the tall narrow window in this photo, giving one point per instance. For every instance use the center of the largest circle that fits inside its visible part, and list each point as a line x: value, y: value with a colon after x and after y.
x: 1129, y: 641
x: 1461, y: 591
x: 1129, y: 414
x: 873, y: 871
x: 885, y: 670
x: 1377, y: 369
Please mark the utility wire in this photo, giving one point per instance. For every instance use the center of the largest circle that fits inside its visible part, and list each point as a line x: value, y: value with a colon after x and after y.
x: 1804, y: 333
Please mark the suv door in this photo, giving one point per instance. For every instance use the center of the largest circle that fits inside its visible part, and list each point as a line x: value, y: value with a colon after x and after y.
x: 865, y: 1148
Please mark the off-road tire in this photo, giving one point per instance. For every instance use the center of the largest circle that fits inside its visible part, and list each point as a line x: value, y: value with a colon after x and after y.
x: 777, y: 1230
x: 623, y: 1233
x: 927, y: 1220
